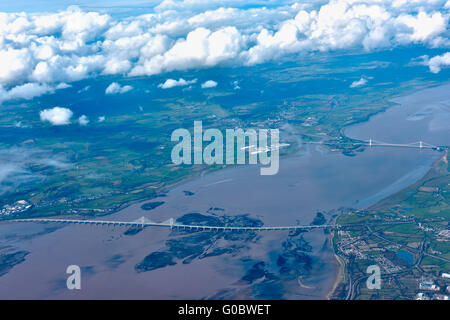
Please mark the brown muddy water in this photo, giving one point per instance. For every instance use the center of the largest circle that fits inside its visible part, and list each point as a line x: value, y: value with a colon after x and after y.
x: 311, y: 181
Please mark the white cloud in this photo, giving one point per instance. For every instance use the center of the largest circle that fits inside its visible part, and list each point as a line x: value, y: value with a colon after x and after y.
x: 83, y: 25
x: 438, y: 62
x: 57, y: 116
x: 63, y: 85
x: 83, y: 120
x: 16, y: 165
x: 209, y: 84
x: 425, y: 26
x: 360, y: 83
x: 116, y: 66
x: 115, y: 88
x: 344, y: 24
x: 200, y: 48
x: 49, y: 48
x: 170, y: 83
x: 14, y: 64
x: 26, y: 91
x: 84, y: 89
x: 101, y: 119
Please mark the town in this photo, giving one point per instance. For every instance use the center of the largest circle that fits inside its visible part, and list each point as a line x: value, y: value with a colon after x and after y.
x: 14, y: 209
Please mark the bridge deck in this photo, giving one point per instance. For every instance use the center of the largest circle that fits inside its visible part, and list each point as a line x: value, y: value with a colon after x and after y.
x: 172, y: 226
x: 375, y: 143
x: 142, y: 224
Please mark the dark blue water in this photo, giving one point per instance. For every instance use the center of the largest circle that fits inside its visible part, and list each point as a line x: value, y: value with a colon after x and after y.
x: 406, y: 256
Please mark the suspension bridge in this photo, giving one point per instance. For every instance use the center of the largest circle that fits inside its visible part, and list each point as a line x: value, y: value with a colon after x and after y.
x: 171, y: 223
x: 375, y: 143
x: 416, y: 145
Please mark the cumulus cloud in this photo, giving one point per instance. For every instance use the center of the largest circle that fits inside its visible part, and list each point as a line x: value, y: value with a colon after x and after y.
x: 101, y: 119
x: 26, y: 91
x: 29, y: 91
x: 200, y: 48
x: 57, y: 116
x: 359, y: 83
x: 115, y: 88
x: 83, y: 120
x: 170, y: 83
x: 13, y: 64
x: 49, y: 48
x: 343, y: 24
x: 63, y: 85
x: 209, y: 84
x: 438, y: 62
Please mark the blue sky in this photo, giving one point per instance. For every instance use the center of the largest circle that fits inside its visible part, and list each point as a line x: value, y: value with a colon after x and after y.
x: 54, y: 5
x: 116, y: 7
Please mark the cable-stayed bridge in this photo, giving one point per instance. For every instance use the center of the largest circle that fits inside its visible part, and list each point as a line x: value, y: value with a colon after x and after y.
x: 144, y: 222
x: 170, y: 223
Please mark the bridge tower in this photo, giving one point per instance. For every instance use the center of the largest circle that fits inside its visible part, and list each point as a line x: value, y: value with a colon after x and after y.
x: 420, y: 144
x: 370, y: 142
x: 142, y: 221
x: 171, y: 223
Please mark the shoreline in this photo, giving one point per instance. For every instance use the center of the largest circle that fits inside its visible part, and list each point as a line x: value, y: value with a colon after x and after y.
x: 342, y: 265
x: 341, y: 274
x: 339, y: 265
x: 205, y: 171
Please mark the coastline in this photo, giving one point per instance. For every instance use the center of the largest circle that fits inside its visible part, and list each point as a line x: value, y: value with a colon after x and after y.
x: 342, y: 266
x: 205, y: 171
x: 336, y: 270
x: 340, y: 276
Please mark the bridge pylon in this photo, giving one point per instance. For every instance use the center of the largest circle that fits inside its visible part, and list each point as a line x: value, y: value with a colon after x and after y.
x: 143, y: 221
x: 170, y: 222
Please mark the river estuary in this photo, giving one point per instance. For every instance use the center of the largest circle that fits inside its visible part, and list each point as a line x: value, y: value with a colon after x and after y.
x: 311, y: 181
